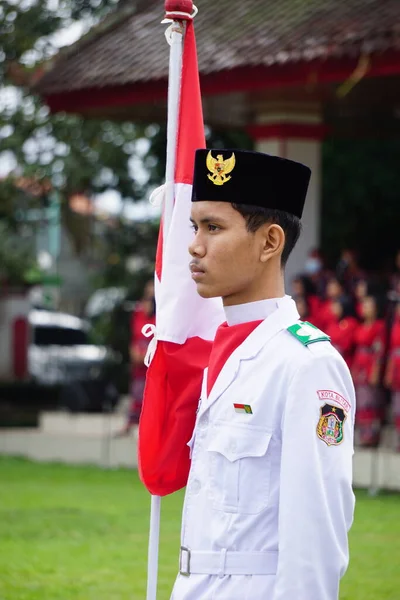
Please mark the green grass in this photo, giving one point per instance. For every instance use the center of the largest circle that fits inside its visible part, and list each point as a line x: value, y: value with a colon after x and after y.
x: 80, y: 533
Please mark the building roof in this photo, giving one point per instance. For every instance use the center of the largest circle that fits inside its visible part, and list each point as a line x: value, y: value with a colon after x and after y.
x: 129, y: 46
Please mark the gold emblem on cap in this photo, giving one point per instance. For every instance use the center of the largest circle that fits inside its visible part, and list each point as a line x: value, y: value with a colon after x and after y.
x: 220, y: 168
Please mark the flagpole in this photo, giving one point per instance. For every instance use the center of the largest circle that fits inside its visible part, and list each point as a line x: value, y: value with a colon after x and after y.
x: 174, y: 36
x: 176, y: 11
x: 154, y: 542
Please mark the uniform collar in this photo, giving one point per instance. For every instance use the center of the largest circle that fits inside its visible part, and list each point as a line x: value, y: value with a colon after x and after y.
x: 251, y: 311
x: 285, y: 315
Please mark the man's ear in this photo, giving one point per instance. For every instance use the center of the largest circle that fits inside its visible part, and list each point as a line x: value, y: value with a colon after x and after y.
x: 272, y: 241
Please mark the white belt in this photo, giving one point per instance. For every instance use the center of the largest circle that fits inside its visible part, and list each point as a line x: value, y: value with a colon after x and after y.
x: 227, y: 562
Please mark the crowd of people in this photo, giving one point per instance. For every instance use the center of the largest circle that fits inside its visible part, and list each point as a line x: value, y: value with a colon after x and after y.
x: 361, y: 314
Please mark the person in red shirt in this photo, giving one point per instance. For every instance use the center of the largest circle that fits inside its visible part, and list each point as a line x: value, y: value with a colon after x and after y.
x: 315, y: 269
x: 342, y: 329
x: 334, y: 291
x: 360, y: 292
x: 143, y: 314
x: 392, y: 374
x: 348, y: 270
x: 366, y: 372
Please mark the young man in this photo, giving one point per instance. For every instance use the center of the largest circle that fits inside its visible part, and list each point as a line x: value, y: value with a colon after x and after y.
x: 269, y: 500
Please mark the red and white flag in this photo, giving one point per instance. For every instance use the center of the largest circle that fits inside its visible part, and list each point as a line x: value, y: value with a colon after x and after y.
x: 185, y: 323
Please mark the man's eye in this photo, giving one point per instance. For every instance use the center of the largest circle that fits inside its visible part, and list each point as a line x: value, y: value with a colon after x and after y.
x: 213, y: 227
x: 194, y: 227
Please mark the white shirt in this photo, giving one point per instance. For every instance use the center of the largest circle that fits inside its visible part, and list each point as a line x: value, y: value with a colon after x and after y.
x: 275, y: 480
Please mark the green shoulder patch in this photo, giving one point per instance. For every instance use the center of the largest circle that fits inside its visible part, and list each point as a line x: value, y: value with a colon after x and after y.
x: 307, y: 333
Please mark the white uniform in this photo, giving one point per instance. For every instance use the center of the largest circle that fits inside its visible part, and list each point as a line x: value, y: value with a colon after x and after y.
x: 269, y: 500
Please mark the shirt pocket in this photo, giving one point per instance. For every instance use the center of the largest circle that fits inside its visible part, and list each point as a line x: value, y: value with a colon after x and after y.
x: 239, y: 467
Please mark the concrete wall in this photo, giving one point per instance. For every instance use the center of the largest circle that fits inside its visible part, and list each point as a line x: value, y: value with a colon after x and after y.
x: 90, y: 439
x: 295, y: 132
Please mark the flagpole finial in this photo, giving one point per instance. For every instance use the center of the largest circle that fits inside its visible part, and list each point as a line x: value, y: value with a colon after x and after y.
x: 180, y: 10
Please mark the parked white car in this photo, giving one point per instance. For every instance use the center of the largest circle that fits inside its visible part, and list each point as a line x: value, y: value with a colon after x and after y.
x: 60, y: 355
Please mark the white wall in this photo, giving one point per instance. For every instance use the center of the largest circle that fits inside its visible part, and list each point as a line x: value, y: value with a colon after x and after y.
x: 308, y: 152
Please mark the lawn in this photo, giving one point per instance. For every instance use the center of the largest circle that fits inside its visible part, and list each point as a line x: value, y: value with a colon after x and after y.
x: 80, y: 533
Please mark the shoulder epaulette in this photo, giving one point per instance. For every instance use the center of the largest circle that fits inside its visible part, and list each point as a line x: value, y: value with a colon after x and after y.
x: 306, y: 333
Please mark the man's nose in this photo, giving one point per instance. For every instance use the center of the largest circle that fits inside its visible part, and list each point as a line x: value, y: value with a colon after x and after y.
x: 197, y: 248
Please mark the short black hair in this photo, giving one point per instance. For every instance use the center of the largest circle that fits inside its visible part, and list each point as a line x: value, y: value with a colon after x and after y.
x: 256, y: 216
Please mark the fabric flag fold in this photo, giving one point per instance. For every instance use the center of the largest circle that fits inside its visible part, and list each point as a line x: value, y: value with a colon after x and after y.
x: 185, y: 323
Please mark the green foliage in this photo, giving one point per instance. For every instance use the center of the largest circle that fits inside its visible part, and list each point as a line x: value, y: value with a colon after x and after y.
x: 21, y: 26
x: 27, y: 24
x: 81, y: 9
x: 131, y: 248
x: 361, y: 199
x: 17, y: 263
x: 131, y: 255
x: 74, y: 154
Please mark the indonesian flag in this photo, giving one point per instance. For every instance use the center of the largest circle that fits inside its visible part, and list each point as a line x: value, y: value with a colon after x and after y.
x: 185, y: 323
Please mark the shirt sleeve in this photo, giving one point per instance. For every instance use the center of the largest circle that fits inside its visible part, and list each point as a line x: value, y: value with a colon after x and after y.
x: 316, y: 499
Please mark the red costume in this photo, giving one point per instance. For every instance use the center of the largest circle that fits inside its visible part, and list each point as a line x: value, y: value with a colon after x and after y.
x: 393, y: 368
x: 315, y: 307
x: 369, y: 339
x: 325, y: 315
x: 139, y: 343
x: 342, y: 334
x: 359, y: 310
x: 392, y: 378
x: 366, y: 370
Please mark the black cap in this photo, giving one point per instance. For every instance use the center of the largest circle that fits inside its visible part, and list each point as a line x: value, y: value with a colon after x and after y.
x: 253, y: 178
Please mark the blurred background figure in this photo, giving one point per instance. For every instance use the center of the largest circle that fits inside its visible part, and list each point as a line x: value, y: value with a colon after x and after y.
x: 303, y: 308
x: 366, y: 371
x: 335, y: 290
x: 360, y: 292
x: 315, y: 269
x: 392, y: 374
x: 143, y: 314
x: 305, y: 296
x: 348, y: 270
x: 342, y: 328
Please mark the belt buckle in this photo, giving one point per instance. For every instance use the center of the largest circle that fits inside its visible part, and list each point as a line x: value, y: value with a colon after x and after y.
x: 185, y: 572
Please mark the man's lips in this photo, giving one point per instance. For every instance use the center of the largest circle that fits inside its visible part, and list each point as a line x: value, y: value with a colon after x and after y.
x: 196, y: 271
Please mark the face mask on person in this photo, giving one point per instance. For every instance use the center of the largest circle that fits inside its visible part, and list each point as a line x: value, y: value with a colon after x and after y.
x: 312, y: 266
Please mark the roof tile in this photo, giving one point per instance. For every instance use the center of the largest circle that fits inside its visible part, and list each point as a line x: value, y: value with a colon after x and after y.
x: 230, y: 34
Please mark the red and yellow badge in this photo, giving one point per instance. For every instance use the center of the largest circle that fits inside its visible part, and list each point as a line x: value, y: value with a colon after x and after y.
x: 243, y: 408
x: 330, y: 425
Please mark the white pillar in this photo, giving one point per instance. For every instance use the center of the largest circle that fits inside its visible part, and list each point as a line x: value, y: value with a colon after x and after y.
x: 295, y: 132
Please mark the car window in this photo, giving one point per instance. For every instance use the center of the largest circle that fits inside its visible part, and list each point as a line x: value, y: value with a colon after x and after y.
x: 48, y: 335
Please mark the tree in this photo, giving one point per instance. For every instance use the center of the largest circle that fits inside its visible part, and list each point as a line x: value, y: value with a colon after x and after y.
x: 360, y: 199
x: 75, y: 155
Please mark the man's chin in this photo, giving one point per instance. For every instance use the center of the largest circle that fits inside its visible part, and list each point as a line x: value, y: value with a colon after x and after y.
x: 206, y: 291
